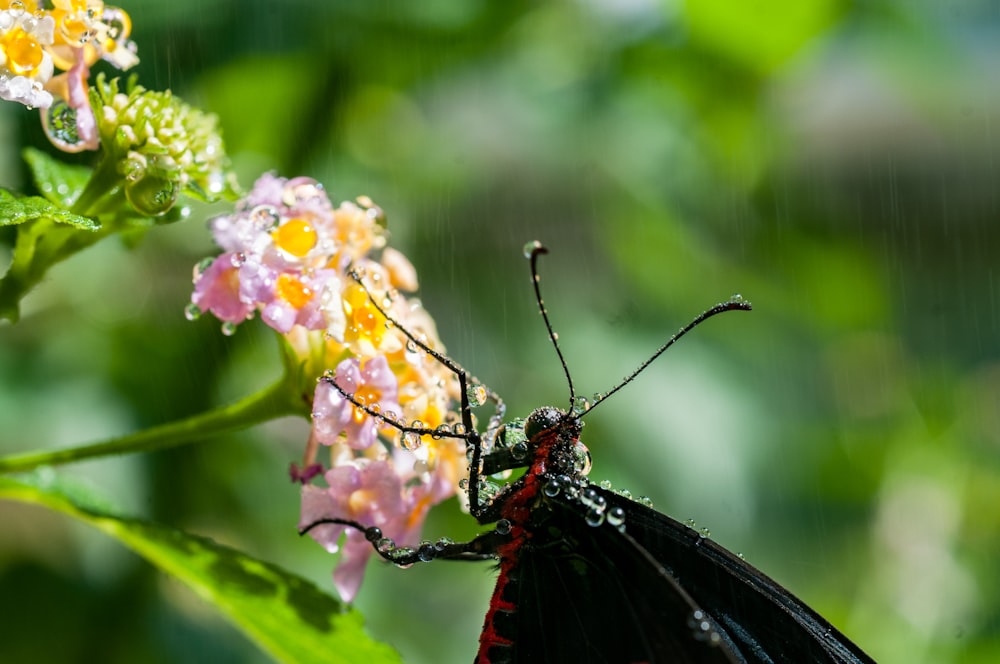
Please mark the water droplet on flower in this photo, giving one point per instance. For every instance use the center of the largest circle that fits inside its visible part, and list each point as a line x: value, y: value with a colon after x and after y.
x: 420, y: 466
x: 59, y: 124
x: 200, y: 268
x: 237, y: 259
x: 229, y: 328
x: 530, y: 248
x: 503, y: 527
x: 385, y: 545
x: 192, y: 311
x: 410, y: 440
x: 264, y: 218
x: 152, y: 195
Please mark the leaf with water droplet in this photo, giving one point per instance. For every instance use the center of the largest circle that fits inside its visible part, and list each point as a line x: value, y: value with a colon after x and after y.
x: 58, y: 182
x: 14, y: 210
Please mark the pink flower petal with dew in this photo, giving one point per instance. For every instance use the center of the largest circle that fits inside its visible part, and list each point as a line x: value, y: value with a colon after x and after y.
x: 266, y: 190
x: 303, y: 195
x: 279, y: 315
x: 218, y: 291
x: 317, y: 504
x: 79, y: 101
x: 333, y: 414
x: 350, y: 569
x: 330, y: 413
x: 257, y: 282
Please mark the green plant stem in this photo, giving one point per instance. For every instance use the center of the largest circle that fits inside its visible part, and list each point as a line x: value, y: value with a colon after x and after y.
x: 268, y: 404
x: 103, y: 181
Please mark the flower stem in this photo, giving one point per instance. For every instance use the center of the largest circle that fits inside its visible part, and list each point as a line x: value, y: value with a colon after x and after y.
x: 268, y: 404
x: 103, y: 181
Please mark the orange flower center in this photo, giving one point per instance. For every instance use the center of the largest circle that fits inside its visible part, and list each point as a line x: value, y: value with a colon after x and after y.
x: 293, y: 291
x: 296, y: 237
x: 23, y: 52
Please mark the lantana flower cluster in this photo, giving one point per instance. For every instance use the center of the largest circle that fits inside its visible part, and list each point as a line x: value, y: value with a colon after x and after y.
x: 295, y: 260
x: 72, y: 35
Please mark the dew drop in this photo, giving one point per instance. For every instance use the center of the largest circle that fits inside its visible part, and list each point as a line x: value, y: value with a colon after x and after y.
x: 477, y: 395
x: 594, y: 517
x: 646, y: 500
x: 385, y: 545
x: 519, y: 451
x: 531, y: 247
x: 426, y: 552
x: 463, y: 484
x: 503, y: 527
x: 229, y: 328
x: 420, y: 466
x: 606, y: 485
x: 704, y: 533
x: 739, y: 554
x: 442, y: 430
x: 201, y: 268
x: 616, y: 516
x: 264, y: 218
x: 410, y: 440
x: 580, y: 405
x: 238, y: 259
x: 192, y: 311
x: 59, y: 124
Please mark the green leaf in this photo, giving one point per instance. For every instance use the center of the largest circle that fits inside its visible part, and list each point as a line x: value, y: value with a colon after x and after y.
x: 284, y: 614
x: 14, y: 210
x: 59, y: 183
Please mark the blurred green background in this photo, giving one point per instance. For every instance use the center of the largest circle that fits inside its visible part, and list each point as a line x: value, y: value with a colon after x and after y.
x: 835, y: 162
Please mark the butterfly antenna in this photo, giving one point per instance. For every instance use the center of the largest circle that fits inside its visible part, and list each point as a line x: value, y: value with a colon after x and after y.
x: 735, y: 303
x: 533, y: 250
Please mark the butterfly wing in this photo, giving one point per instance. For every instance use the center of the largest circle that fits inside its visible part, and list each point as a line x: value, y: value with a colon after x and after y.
x: 766, y: 622
x: 591, y: 594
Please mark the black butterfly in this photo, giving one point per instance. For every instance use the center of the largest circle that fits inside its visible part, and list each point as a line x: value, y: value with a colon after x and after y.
x: 588, y: 575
